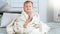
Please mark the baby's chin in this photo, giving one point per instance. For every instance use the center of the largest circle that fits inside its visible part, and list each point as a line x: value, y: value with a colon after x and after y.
x: 28, y: 11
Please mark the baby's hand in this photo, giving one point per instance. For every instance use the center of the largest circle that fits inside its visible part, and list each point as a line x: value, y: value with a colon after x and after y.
x: 28, y: 21
x: 25, y: 25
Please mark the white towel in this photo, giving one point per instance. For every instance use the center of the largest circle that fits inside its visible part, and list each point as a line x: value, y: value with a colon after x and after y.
x: 34, y: 27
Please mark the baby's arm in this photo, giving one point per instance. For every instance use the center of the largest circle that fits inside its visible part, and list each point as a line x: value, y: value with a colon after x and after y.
x: 27, y: 22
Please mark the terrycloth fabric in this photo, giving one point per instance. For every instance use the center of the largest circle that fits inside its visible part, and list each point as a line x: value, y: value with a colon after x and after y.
x: 34, y: 27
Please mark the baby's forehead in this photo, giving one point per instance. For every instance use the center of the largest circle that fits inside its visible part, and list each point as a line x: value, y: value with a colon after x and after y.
x: 28, y: 3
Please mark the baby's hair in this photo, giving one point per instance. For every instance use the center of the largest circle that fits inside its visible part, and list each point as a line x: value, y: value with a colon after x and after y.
x: 28, y: 2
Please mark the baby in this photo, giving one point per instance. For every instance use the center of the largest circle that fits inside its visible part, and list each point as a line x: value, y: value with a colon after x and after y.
x: 28, y: 22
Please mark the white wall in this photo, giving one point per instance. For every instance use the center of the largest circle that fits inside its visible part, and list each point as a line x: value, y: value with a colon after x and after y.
x: 50, y: 12
x: 56, y: 14
x: 50, y: 15
x: 43, y: 10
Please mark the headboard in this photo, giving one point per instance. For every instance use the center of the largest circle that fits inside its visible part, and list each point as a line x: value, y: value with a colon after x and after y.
x: 1, y: 12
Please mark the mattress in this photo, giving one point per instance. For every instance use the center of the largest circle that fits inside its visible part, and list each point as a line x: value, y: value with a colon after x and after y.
x: 55, y: 28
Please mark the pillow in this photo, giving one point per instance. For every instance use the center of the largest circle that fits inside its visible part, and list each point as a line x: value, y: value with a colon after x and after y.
x: 7, y: 18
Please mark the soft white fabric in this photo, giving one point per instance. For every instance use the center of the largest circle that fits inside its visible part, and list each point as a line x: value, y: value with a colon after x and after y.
x: 34, y: 27
x: 7, y: 18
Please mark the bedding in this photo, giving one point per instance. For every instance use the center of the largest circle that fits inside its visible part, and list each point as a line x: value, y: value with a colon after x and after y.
x: 7, y: 18
x: 55, y: 28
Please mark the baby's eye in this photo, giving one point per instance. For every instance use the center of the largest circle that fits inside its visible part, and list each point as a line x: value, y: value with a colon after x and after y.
x: 26, y: 6
x: 29, y: 6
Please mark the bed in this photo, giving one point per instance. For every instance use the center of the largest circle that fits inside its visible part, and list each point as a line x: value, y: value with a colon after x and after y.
x: 55, y: 27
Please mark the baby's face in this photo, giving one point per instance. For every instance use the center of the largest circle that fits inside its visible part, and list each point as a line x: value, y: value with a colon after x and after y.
x: 28, y: 7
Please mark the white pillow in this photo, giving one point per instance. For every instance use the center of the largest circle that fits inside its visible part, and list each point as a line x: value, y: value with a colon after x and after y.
x: 7, y: 18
